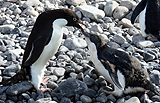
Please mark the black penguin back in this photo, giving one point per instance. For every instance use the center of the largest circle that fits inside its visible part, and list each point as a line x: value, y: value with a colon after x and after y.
x: 153, y: 18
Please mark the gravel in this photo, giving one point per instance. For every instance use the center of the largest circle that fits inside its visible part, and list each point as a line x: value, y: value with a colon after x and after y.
x: 72, y: 76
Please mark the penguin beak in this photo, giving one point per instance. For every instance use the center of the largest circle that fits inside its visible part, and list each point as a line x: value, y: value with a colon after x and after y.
x: 80, y: 22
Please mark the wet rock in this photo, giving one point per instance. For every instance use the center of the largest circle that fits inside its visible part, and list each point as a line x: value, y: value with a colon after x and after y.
x: 85, y: 99
x: 72, y: 86
x: 19, y: 88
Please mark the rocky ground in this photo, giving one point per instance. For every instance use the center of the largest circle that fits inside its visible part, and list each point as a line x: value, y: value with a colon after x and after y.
x: 73, y: 77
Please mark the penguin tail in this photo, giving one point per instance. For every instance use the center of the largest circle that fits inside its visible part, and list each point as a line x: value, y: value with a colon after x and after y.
x: 150, y: 86
x: 15, y: 79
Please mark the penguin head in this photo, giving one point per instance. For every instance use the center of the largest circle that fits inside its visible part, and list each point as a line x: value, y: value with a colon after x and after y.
x: 95, y: 39
x: 72, y: 18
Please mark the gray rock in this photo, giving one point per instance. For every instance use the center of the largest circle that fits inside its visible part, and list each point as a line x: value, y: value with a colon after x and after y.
x: 148, y: 56
x: 85, y: 99
x: 91, y: 93
x: 72, y: 86
x: 137, y: 39
x: 17, y: 11
x: 79, y: 14
x: 6, y: 29
x: 96, y: 28
x: 31, y: 3
x: 102, y: 99
x: 3, y: 89
x: 126, y: 23
x: 31, y: 100
x: 115, y: 30
x: 31, y: 22
x: 43, y: 100
x: 154, y: 76
x: 19, y: 88
x: 26, y: 96
x: 109, y: 7
x: 76, y: 2
x: 30, y: 11
x: 107, y: 19
x: 65, y: 100
x: 120, y: 12
x: 119, y: 39
x: 128, y: 4
x: 3, y: 97
x: 63, y: 49
x: 113, y: 45
x: 133, y: 100
x: 59, y: 71
x: 88, y: 81
x: 91, y: 12
x: 133, y: 31
x: 11, y: 69
x: 86, y: 19
x: 73, y: 43
x: 156, y: 98
x: 52, y: 85
x: 52, y: 77
x: 145, y: 44
x: 111, y: 97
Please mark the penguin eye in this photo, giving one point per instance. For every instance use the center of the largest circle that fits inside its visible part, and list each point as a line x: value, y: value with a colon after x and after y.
x: 74, y: 19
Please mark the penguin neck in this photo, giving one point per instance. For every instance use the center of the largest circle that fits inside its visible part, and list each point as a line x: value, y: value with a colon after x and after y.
x: 59, y: 23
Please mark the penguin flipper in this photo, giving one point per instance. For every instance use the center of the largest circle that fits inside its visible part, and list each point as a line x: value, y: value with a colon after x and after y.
x: 37, y: 48
x: 137, y: 10
x: 112, y: 72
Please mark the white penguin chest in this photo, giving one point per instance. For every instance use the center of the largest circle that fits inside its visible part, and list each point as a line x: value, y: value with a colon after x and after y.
x: 142, y: 22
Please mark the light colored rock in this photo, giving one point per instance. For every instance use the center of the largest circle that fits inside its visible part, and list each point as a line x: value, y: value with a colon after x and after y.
x: 128, y: 3
x: 73, y: 43
x: 6, y: 29
x: 120, y: 12
x: 109, y: 7
x: 17, y: 52
x: 17, y: 11
x: 75, y: 2
x: 115, y: 30
x: 79, y: 14
x: 91, y: 12
x: 96, y: 28
x: 119, y: 39
x: 59, y: 71
x: 133, y: 100
x: 126, y: 23
x: 144, y: 44
x: 31, y: 3
x: 30, y: 11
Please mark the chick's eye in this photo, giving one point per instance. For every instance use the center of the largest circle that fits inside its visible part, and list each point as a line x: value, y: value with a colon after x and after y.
x: 74, y: 19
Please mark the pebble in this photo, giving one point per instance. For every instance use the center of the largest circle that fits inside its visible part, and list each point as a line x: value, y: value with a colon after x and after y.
x: 120, y: 12
x: 6, y: 29
x: 119, y: 39
x: 72, y: 86
x: 76, y: 2
x: 85, y: 99
x: 133, y: 100
x: 91, y: 12
x: 19, y: 88
x: 110, y: 7
x: 30, y: 11
x: 129, y: 4
x: 126, y: 23
x: 73, y: 43
x: 145, y: 44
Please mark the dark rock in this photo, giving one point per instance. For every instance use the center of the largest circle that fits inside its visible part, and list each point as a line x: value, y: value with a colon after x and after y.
x: 31, y: 100
x: 13, y: 98
x: 155, y: 98
x: 111, y: 97
x: 91, y: 93
x: 89, y: 81
x: 43, y: 100
x: 25, y: 96
x: 85, y: 99
x: 1, y: 101
x: 15, y: 31
x: 3, y: 97
x: 72, y: 86
x: 101, y: 99
x: 65, y: 100
x: 3, y: 89
x: 19, y: 88
x: 9, y: 101
x: 148, y: 56
x: 52, y: 85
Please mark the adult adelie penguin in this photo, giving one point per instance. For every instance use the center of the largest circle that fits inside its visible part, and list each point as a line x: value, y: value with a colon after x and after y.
x: 149, y: 19
x: 119, y: 68
x: 43, y: 43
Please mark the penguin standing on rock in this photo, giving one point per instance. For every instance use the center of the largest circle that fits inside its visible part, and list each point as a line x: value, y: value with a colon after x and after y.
x: 149, y: 19
x: 42, y: 44
x: 119, y: 68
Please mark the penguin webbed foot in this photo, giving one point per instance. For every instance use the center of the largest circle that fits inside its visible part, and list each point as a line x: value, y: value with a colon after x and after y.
x: 44, y: 80
x: 45, y: 89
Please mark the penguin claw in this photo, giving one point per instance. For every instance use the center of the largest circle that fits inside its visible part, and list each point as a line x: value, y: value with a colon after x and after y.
x: 44, y: 89
x: 44, y: 80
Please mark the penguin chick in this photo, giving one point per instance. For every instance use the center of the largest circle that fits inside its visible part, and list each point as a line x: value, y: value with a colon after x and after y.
x: 119, y: 68
x: 149, y: 11
x: 43, y: 43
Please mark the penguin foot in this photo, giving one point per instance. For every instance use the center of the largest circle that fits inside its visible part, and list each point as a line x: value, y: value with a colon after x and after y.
x: 107, y: 92
x: 44, y: 89
x: 44, y: 80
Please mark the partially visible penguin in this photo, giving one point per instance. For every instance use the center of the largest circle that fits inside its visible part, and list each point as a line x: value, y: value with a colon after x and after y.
x: 149, y: 19
x: 42, y: 44
x: 119, y: 68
